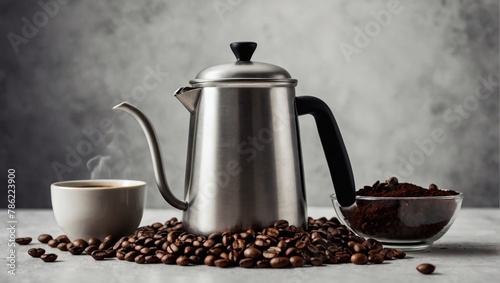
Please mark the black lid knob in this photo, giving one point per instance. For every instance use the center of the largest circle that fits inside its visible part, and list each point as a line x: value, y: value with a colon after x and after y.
x: 243, y: 50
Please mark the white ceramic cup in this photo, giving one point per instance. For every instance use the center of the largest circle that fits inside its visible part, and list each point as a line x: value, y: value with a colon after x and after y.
x: 98, y: 208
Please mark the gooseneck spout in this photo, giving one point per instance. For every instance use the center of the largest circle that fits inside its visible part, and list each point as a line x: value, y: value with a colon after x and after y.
x: 154, y: 147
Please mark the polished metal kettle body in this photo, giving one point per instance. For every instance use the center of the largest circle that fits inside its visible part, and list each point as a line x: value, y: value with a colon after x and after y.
x: 244, y: 162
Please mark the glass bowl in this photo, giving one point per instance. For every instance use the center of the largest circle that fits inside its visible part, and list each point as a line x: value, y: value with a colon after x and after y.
x: 405, y: 223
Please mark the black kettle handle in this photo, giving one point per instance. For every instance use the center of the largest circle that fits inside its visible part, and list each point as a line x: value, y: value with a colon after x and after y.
x: 333, y: 146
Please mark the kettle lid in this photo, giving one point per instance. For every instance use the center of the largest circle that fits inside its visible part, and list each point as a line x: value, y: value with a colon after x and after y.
x: 244, y: 71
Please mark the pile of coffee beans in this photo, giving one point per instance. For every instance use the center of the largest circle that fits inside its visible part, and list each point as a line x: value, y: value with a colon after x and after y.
x: 281, y: 245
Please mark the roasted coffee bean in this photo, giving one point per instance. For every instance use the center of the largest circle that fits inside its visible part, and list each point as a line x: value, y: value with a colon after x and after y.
x: 148, y: 242
x: 172, y: 236
x: 145, y: 251
x: 269, y: 254
x: 222, y: 263
x: 75, y: 250
x: 94, y: 241
x: 433, y: 187
x: 239, y: 244
x: 209, y: 260
x: 182, y: 260
x: 209, y: 243
x: 331, y: 259
x: 291, y: 251
x: 316, y: 261
x: 226, y: 240
x: 118, y: 244
x: 110, y: 239
x: 251, y: 233
x: 36, y: 252
x: 140, y: 259
x: 53, y: 243
x: 279, y: 262
x: 127, y: 244
x: 358, y: 248
x: 217, y: 237
x: 367, y: 244
x: 376, y: 247
x: 49, y: 257
x: 215, y: 251
x: 44, y: 238
x: 130, y: 256
x: 156, y: 225
x: 297, y: 261
x: 157, y: 243
x: 188, y: 250
x: 387, y: 253
x: 104, y: 246
x: 272, y: 232
x: 169, y: 259
x: 172, y: 221
x: 99, y: 255
x: 80, y: 243
x: 282, y: 244
x: 312, y: 249
x: 201, y: 252
x: 88, y: 250
x: 343, y: 257
x: 281, y: 224
x: 195, y: 260
x: 224, y: 255
x: 63, y: 239
x: 359, y: 259
x: 376, y: 258
x: 305, y: 255
x: 120, y: 254
x: 235, y: 255
x: 300, y: 244
x: 159, y: 253
x: 62, y: 247
x: 315, y: 235
x: 393, y: 181
x: 260, y: 243
x: 247, y: 263
x: 110, y: 253
x: 173, y: 249
x: 151, y: 259
x: 398, y: 254
x: 426, y: 268
x: 252, y: 253
x: 263, y: 263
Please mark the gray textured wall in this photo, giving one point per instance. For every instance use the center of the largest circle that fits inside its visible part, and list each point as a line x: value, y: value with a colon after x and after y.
x: 404, y: 93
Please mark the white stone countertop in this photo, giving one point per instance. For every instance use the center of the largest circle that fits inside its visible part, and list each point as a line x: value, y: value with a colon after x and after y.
x: 468, y: 252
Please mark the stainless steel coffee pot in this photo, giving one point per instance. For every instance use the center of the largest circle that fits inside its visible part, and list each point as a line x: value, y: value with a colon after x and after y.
x: 244, y: 160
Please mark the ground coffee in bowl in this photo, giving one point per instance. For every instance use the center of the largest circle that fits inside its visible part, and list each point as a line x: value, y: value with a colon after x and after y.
x: 401, y: 215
